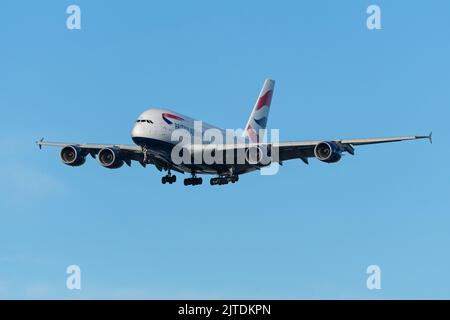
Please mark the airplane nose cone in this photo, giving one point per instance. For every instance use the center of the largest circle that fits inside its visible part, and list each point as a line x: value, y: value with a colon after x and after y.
x: 136, y: 131
x: 137, y: 135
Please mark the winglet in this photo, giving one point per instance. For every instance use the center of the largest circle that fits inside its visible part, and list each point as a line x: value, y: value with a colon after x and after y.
x: 429, y: 137
x: 39, y: 143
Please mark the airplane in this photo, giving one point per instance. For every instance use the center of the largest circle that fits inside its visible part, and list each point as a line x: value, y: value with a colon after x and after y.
x: 153, y: 144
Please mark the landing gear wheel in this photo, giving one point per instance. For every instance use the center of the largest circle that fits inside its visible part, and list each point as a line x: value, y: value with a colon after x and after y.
x: 223, y: 180
x: 168, y: 179
x: 193, y: 181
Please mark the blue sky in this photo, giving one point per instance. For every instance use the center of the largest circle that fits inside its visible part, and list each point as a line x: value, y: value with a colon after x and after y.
x: 307, y: 232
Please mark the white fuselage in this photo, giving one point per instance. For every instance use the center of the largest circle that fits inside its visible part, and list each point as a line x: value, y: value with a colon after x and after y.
x: 154, y: 130
x: 158, y: 124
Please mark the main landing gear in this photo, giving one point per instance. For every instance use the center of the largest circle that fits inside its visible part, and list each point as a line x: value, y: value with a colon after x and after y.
x: 193, y: 181
x: 169, y: 178
x: 223, y: 180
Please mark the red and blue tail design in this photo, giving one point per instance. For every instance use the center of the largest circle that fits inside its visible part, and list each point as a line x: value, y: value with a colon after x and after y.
x: 260, y: 113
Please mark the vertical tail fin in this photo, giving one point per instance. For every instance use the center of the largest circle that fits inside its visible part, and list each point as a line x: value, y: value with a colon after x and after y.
x: 258, y: 117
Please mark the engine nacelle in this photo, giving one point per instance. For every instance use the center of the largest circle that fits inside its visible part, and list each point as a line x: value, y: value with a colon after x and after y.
x: 328, y: 152
x: 73, y: 156
x: 110, y: 158
x: 258, y: 155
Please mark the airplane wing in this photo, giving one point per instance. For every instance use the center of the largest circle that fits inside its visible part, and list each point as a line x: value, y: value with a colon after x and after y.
x: 305, y: 149
x: 94, y: 147
x: 128, y: 152
x: 280, y: 151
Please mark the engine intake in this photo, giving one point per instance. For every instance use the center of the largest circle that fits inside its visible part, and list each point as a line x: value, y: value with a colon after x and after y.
x: 328, y: 152
x: 73, y: 156
x: 258, y: 155
x: 110, y: 158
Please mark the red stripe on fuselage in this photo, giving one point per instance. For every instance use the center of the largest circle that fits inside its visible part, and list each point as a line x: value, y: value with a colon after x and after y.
x: 172, y: 116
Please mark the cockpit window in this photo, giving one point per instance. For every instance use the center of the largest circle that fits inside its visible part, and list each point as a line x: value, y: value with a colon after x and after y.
x: 143, y: 121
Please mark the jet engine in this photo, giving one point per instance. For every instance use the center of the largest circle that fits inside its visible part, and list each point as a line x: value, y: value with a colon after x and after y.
x: 110, y: 158
x: 258, y: 155
x: 73, y: 156
x: 328, y: 152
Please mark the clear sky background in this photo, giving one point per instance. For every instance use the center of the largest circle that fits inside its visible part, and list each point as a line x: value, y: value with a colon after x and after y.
x: 307, y: 232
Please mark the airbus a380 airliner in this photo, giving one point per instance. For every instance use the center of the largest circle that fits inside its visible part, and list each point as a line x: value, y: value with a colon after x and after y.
x: 152, y: 135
